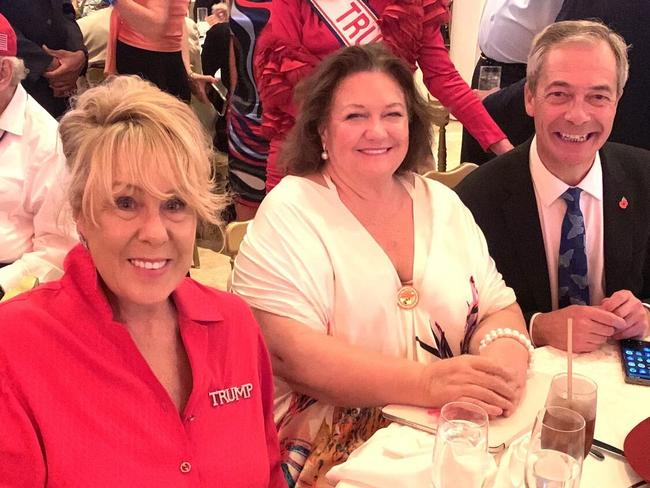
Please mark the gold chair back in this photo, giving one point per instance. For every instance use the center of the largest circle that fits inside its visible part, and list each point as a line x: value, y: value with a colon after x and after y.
x: 453, y: 177
x: 235, y: 232
x: 441, y: 120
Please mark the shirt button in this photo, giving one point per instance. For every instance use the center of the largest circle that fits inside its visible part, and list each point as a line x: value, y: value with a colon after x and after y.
x: 191, y: 418
x: 185, y: 467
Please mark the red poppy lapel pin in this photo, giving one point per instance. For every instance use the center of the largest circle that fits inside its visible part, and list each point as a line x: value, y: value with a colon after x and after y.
x: 623, y: 203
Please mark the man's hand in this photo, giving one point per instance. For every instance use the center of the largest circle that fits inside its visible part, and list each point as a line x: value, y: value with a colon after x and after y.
x: 628, y: 307
x: 63, y: 78
x: 592, y: 326
x: 54, y: 64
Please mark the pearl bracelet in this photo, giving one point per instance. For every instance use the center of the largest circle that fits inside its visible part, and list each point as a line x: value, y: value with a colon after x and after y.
x: 507, y: 333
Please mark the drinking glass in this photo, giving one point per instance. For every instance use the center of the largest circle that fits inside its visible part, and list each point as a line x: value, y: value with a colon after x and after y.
x: 556, y: 449
x: 517, y: 464
x: 201, y: 14
x: 202, y: 21
x: 584, y: 400
x: 460, y: 455
x: 489, y: 77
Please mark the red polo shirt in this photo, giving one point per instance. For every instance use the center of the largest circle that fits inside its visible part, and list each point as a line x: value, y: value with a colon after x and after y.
x: 79, y: 405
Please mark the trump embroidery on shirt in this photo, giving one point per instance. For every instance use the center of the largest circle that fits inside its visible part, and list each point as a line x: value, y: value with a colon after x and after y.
x: 230, y: 395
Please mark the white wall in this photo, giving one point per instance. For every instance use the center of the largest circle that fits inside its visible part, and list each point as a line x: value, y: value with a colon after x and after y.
x: 464, y: 35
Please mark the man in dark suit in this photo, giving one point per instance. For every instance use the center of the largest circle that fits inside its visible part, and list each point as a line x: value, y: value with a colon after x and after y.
x: 565, y: 215
x: 51, y: 45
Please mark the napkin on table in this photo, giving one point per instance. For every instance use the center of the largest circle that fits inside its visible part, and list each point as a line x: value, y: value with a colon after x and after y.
x: 394, y: 457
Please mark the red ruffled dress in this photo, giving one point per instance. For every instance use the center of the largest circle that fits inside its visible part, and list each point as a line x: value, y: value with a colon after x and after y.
x: 296, y: 40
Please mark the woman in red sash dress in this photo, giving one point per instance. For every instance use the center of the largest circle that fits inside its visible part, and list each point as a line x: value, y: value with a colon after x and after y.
x: 298, y: 37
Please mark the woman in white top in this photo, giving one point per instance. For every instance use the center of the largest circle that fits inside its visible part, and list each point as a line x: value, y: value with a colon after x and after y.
x: 364, y: 275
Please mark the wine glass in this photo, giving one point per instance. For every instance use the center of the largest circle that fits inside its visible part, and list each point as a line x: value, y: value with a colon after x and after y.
x: 460, y: 455
x: 202, y: 21
x: 556, y: 449
x: 517, y: 464
x: 584, y: 398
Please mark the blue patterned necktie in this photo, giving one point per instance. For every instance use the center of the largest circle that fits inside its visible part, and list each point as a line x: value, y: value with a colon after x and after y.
x: 573, y: 286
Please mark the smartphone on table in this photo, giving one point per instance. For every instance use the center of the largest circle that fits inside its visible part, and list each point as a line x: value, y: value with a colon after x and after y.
x: 635, y: 355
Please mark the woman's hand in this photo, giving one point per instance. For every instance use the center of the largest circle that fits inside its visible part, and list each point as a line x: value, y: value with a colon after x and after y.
x: 198, y: 85
x: 473, y: 379
x: 501, y: 147
x: 511, y: 355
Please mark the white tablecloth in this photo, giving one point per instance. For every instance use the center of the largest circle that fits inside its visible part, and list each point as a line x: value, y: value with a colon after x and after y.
x: 401, y: 456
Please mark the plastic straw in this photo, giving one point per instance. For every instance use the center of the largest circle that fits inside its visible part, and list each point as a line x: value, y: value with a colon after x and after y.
x: 569, y: 358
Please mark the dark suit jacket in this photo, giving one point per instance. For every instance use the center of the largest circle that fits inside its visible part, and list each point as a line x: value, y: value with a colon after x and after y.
x: 500, y: 195
x: 39, y: 22
x: 508, y: 109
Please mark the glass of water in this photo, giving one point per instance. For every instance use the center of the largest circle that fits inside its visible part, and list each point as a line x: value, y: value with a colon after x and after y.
x: 460, y: 456
x: 489, y: 77
x: 556, y: 449
x: 201, y: 14
x: 202, y: 21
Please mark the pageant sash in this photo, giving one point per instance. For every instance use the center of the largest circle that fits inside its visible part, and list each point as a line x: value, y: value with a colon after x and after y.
x: 351, y: 21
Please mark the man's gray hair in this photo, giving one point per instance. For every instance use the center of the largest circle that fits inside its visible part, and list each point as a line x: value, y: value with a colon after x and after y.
x: 584, y: 31
x: 18, y: 70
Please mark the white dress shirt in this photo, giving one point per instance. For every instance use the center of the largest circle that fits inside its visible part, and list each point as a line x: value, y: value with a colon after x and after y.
x: 36, y: 229
x: 552, y: 208
x: 508, y: 27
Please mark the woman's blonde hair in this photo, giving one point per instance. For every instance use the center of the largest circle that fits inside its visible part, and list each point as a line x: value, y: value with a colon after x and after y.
x: 129, y: 126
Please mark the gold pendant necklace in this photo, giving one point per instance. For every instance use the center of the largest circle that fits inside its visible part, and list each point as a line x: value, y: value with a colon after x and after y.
x: 407, y: 297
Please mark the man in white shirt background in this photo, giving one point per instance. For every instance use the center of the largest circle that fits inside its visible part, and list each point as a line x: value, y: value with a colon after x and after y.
x: 565, y: 215
x: 35, y: 230
x: 506, y: 33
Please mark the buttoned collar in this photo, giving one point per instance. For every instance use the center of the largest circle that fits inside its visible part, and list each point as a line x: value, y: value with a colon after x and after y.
x: 549, y: 187
x: 193, y: 301
x: 12, y: 120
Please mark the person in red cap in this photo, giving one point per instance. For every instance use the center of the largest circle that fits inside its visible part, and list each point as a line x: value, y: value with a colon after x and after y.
x: 33, y: 238
x: 51, y: 46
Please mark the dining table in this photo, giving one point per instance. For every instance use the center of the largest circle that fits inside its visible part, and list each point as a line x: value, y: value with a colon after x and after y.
x: 401, y: 456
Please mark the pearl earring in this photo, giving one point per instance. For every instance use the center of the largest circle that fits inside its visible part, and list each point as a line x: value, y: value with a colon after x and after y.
x: 324, y: 155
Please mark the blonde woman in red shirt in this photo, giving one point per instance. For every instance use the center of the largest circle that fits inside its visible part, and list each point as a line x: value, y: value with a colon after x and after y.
x: 126, y: 372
